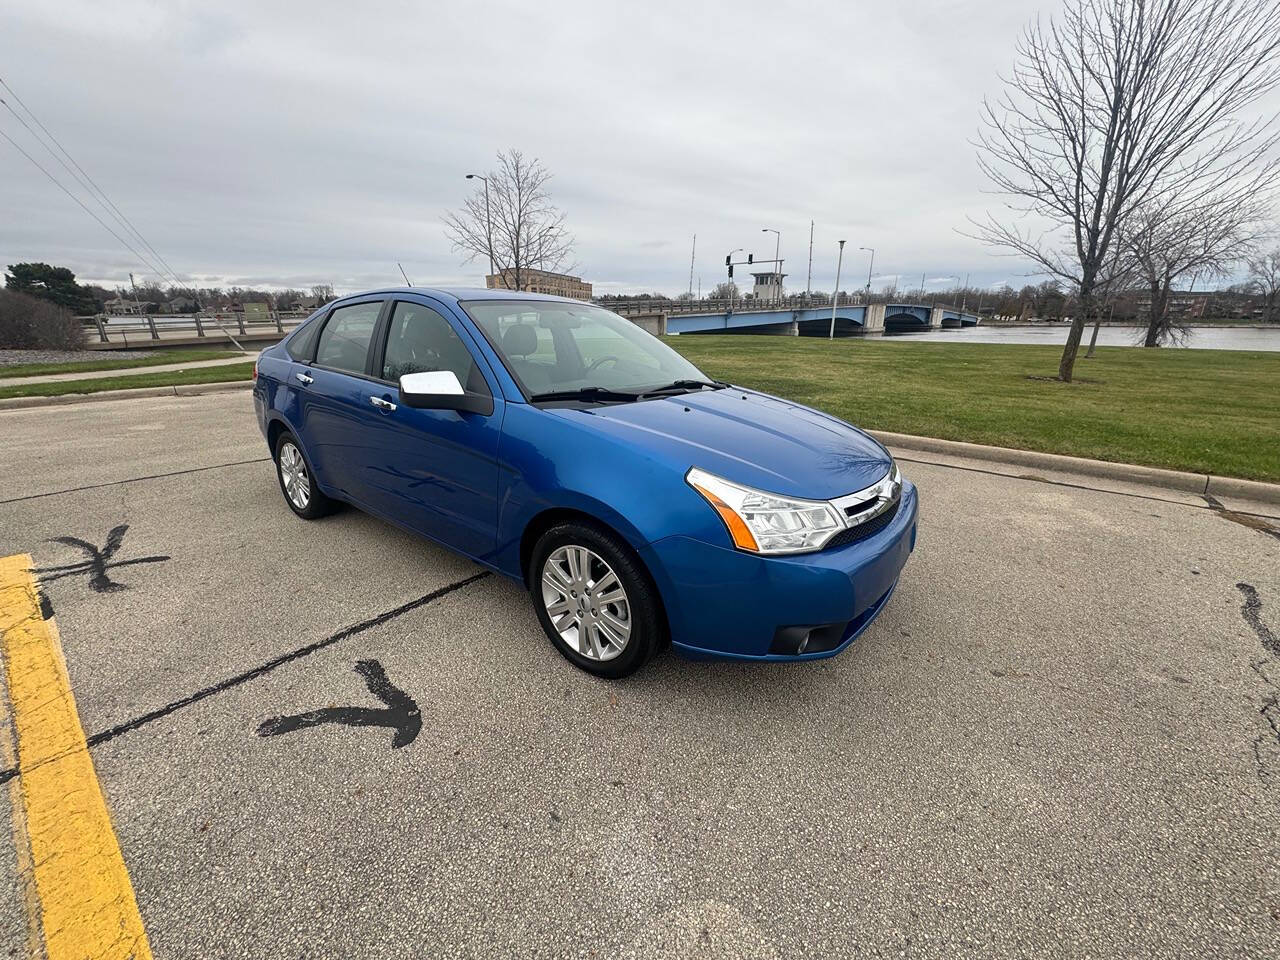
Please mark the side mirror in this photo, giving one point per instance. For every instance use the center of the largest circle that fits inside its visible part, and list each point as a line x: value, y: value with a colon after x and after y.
x: 440, y: 390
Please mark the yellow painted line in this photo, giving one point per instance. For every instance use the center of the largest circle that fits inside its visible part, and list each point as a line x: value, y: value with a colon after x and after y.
x: 86, y: 902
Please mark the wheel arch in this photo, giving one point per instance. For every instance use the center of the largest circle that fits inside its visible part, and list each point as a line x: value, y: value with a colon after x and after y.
x: 541, y: 522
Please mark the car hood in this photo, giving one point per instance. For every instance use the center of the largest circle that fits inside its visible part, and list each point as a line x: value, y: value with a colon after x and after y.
x: 747, y: 437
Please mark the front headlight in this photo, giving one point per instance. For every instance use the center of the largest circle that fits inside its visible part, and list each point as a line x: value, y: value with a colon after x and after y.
x: 765, y: 522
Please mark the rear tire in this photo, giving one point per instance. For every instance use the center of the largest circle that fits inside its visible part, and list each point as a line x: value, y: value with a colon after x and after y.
x: 595, y: 600
x: 297, y: 480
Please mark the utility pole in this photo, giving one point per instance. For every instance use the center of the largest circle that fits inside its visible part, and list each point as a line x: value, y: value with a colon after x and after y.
x: 922, y: 276
x: 964, y: 298
x: 870, y: 267
x: 808, y: 284
x: 835, y: 294
x: 693, y: 253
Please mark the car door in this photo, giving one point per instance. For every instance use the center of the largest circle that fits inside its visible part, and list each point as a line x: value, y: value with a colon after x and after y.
x: 333, y: 396
x: 433, y: 470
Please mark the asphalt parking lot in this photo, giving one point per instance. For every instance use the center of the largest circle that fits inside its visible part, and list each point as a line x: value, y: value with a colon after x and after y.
x: 334, y: 740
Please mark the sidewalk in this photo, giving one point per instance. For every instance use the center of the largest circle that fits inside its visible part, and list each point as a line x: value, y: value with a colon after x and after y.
x: 123, y: 371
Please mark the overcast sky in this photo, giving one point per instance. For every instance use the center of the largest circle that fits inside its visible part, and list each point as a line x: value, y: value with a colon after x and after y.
x: 274, y: 143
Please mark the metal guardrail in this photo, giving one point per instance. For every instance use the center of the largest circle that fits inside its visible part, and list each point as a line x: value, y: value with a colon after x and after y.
x: 177, y: 326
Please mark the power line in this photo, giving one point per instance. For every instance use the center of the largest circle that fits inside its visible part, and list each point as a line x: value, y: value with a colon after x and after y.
x: 88, y: 182
x: 58, y: 183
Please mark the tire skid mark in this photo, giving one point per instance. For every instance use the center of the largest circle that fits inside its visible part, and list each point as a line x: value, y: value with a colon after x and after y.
x: 345, y: 633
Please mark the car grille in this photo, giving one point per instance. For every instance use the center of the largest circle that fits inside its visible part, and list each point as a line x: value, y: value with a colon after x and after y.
x: 863, y: 530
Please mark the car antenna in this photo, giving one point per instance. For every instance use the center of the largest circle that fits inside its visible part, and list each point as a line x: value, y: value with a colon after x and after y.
x: 403, y: 274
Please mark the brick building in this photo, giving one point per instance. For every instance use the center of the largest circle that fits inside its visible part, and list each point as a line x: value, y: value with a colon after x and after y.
x: 541, y: 281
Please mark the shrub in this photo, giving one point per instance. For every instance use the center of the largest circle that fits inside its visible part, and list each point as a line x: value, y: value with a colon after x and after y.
x: 27, y: 323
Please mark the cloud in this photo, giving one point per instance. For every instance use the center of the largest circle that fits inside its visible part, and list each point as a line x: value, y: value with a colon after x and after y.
x: 291, y: 143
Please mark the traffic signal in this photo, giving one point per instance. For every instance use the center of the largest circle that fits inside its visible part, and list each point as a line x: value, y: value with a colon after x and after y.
x: 731, y: 271
x: 728, y: 260
x: 750, y: 257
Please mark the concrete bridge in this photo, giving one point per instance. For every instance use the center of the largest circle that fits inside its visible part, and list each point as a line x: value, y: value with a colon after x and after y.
x: 796, y: 319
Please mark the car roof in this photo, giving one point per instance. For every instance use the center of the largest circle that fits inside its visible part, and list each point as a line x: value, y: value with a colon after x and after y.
x: 463, y: 293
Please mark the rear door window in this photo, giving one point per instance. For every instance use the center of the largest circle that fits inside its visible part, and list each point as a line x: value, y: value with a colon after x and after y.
x: 302, y: 344
x: 345, y: 339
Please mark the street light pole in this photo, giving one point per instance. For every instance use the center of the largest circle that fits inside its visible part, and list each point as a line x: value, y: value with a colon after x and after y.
x: 870, y: 267
x: 835, y: 295
x: 777, y: 249
x: 488, y: 223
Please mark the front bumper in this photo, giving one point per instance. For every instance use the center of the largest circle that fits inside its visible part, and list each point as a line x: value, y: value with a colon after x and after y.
x: 725, y: 603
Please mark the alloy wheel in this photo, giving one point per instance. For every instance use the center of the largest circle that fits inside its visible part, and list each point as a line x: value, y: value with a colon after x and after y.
x: 293, y: 474
x: 586, y: 602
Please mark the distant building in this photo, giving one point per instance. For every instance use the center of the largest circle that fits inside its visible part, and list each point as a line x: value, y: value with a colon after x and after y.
x: 180, y: 305
x: 1190, y: 305
x: 120, y: 307
x: 541, y: 281
x: 256, y: 310
x: 768, y: 285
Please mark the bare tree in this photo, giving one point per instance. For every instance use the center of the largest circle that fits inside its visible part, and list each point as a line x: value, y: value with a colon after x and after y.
x: 1177, y: 236
x: 322, y: 292
x: 1115, y: 104
x: 1264, y: 277
x: 725, y: 290
x: 516, y: 226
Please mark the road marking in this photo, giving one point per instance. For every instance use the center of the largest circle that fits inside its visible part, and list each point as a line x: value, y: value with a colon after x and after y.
x: 87, y: 906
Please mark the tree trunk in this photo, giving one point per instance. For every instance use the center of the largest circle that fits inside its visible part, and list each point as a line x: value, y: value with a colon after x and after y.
x: 1093, y: 340
x: 1068, y: 362
x: 1159, y: 304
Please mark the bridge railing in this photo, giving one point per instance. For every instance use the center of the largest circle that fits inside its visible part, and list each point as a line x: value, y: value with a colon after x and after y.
x: 214, y: 326
x: 722, y: 304
x: 741, y: 304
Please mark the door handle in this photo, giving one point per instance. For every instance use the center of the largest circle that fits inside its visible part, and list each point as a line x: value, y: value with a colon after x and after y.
x: 381, y: 404
x: 303, y: 378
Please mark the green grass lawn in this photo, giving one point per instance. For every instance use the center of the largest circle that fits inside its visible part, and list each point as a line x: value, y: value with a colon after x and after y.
x: 107, y: 362
x: 1208, y: 411
x: 222, y: 374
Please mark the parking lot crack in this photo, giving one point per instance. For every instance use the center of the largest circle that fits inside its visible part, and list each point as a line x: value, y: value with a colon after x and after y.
x: 1266, y: 747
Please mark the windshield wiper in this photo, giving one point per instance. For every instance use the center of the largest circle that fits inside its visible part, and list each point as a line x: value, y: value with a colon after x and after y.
x: 679, y: 386
x: 586, y: 393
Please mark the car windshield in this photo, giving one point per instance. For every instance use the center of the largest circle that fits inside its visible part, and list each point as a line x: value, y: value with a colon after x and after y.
x: 555, y: 348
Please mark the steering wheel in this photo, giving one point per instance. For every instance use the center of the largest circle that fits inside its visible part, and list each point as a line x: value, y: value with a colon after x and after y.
x: 595, y: 363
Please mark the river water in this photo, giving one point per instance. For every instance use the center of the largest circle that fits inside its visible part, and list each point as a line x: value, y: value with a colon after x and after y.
x: 1202, y: 337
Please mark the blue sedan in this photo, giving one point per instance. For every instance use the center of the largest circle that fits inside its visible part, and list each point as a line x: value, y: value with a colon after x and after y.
x: 640, y: 501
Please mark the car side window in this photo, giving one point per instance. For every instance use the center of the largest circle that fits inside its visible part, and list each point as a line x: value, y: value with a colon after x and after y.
x: 302, y: 343
x: 344, y: 341
x: 420, y: 340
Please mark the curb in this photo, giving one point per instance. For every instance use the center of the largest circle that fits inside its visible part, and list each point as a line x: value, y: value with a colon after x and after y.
x: 1197, y: 483
x: 177, y: 390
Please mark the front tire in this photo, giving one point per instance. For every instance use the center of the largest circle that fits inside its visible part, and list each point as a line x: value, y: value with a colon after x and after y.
x: 594, y: 600
x: 297, y: 480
